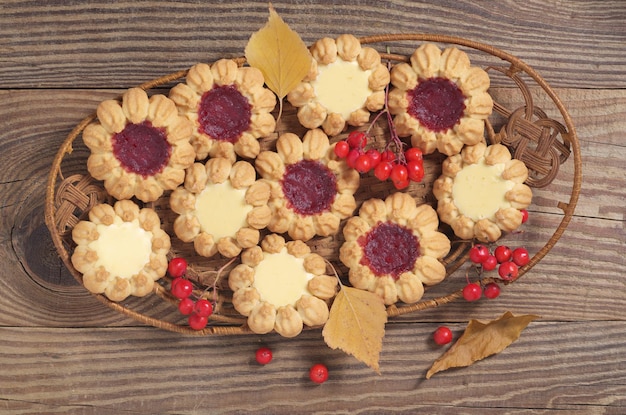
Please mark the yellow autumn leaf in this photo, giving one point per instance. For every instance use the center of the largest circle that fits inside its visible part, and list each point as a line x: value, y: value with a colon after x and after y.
x: 280, y: 54
x: 482, y: 339
x: 356, y: 325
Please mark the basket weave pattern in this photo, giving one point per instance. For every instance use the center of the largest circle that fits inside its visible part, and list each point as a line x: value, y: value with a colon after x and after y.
x: 542, y: 143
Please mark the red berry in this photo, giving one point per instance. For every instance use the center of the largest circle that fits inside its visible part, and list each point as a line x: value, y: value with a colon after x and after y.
x: 203, y: 308
x: 416, y: 170
x: 442, y: 335
x: 524, y: 215
x: 413, y: 153
x: 490, y: 263
x: 357, y: 139
x: 388, y: 155
x: 399, y: 173
x: 383, y: 170
x: 263, y: 355
x: 185, y: 306
x: 177, y: 267
x: 197, y: 322
x: 363, y: 163
x: 503, y: 253
x: 375, y: 156
x: 342, y: 148
x: 472, y: 291
x: 318, y: 373
x: 492, y: 290
x: 520, y: 256
x: 478, y: 253
x: 352, y: 157
x: 181, y: 288
x: 508, y: 271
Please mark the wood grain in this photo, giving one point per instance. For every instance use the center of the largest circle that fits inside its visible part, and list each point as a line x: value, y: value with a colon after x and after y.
x: 62, y: 351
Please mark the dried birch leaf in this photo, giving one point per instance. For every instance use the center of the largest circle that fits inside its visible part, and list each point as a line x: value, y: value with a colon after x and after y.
x: 280, y: 54
x: 356, y: 325
x: 481, y: 340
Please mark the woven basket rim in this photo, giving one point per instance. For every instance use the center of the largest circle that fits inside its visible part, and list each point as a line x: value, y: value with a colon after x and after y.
x: 516, y: 65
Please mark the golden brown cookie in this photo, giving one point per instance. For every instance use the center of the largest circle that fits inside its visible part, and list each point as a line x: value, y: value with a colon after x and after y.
x: 282, y: 286
x: 139, y: 147
x: 393, y: 248
x: 481, y: 192
x: 229, y: 108
x: 221, y: 207
x: 440, y: 100
x: 345, y: 83
x: 121, y: 250
x: 311, y: 189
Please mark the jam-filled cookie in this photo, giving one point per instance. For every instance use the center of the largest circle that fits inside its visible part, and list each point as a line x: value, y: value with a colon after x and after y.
x: 440, y: 100
x: 312, y: 190
x: 229, y: 107
x: 393, y: 248
x: 140, y: 146
x: 121, y: 250
x: 481, y: 192
x: 345, y: 83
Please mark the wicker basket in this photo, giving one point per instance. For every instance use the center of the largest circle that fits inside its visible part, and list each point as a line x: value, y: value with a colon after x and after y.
x: 542, y: 143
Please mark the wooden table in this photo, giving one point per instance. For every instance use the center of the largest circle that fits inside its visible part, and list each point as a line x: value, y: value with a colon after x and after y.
x: 62, y: 351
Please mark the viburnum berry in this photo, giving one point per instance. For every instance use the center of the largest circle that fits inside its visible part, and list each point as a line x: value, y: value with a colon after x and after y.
x: 524, y: 215
x: 263, y: 355
x: 357, y: 139
x: 402, y: 184
x: 186, y: 305
x: 492, y: 290
x: 363, y: 163
x: 352, y: 157
x: 177, y: 267
x: 508, y: 270
x: 374, y: 156
x: 342, y: 148
x: 383, y: 170
x: 203, y: 308
x: 399, y: 173
x: 472, y: 292
x: 490, y: 263
x: 413, y: 154
x: 520, y: 256
x: 503, y: 253
x: 415, y: 170
x: 181, y: 288
x: 443, y: 335
x: 388, y: 155
x: 197, y: 322
x: 478, y: 253
x: 318, y: 373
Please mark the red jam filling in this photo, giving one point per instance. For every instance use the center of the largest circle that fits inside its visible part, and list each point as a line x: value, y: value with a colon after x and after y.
x: 309, y: 187
x: 142, y: 148
x: 224, y: 114
x: 389, y: 249
x: 437, y: 103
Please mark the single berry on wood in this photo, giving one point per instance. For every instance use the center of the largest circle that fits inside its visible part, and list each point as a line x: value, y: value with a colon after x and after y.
x: 443, y: 335
x: 263, y: 355
x: 181, y: 288
x: 197, y: 322
x: 472, y: 292
x: 318, y: 373
x: 492, y: 290
x: 524, y: 215
x: 508, y: 271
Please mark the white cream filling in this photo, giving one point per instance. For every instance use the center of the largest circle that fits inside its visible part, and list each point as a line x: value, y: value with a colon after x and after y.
x: 342, y: 87
x: 479, y: 190
x: 222, y: 210
x: 280, y: 278
x: 123, y: 248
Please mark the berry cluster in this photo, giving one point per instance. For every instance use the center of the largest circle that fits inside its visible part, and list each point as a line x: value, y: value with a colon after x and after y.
x: 318, y: 373
x: 198, y: 310
x: 401, y: 169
